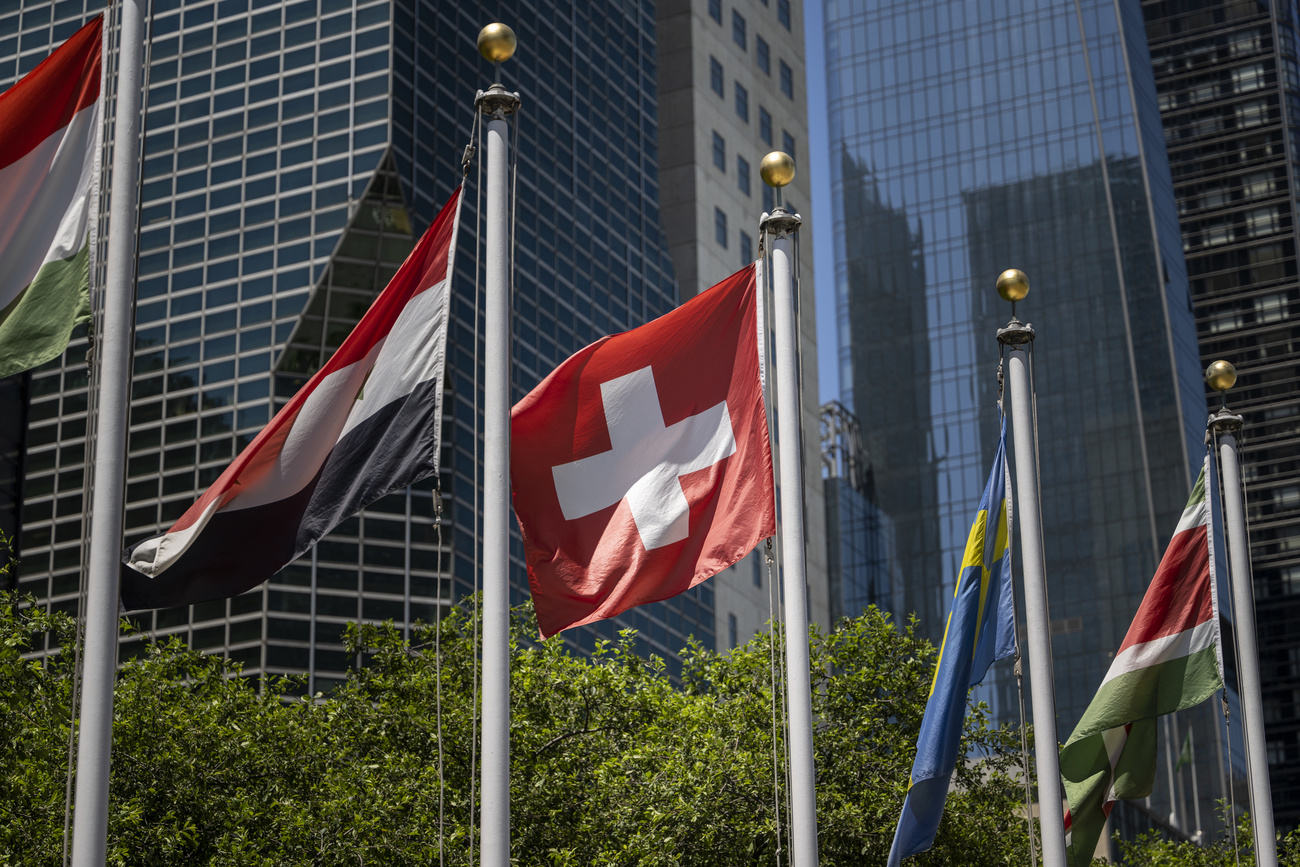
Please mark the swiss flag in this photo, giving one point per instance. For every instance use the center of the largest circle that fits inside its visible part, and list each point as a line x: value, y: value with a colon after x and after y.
x: 641, y: 466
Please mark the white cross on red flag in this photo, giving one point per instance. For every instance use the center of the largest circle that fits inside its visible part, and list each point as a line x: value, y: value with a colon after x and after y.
x: 641, y: 466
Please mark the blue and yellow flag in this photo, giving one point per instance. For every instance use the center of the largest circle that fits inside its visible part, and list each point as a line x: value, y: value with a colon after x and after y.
x: 980, y: 629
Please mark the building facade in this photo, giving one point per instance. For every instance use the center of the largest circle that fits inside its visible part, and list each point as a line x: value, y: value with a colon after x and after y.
x: 293, y: 152
x: 951, y: 162
x: 860, y: 560
x: 732, y: 89
x: 1229, y: 93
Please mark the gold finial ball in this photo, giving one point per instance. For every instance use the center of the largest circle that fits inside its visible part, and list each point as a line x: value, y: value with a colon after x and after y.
x: 1013, y: 285
x: 497, y: 43
x: 777, y: 169
x: 1221, y: 375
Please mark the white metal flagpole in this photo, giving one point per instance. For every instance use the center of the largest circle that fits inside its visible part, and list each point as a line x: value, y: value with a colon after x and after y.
x: 1016, y: 337
x: 95, y: 735
x: 496, y: 43
x: 1225, y: 426
x: 1196, y: 789
x: 777, y: 171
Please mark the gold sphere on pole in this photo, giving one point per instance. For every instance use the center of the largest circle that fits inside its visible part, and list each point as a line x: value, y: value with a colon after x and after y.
x: 1221, y: 375
x: 1013, y: 285
x: 777, y: 169
x: 497, y: 43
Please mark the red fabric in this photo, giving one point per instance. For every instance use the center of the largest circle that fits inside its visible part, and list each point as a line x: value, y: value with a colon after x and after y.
x: 594, y: 567
x: 1179, y: 596
x: 45, y: 99
x: 424, y: 268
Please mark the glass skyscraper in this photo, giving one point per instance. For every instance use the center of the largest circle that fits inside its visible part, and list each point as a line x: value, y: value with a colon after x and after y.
x: 971, y: 137
x: 292, y: 153
x: 1229, y: 90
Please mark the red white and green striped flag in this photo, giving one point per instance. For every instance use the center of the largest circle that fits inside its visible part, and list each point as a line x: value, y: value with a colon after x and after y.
x: 1170, y: 660
x: 50, y: 124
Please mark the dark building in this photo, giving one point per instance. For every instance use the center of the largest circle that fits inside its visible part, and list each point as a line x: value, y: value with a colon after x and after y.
x: 859, y: 554
x: 963, y: 165
x: 292, y: 153
x: 887, y: 354
x: 1229, y: 95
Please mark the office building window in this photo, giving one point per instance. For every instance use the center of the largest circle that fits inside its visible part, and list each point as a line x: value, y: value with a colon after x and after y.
x: 783, y: 13
x: 742, y: 102
x: 764, y: 54
x: 720, y: 152
x: 715, y: 76
x: 720, y: 227
x: 765, y: 126
x: 715, y: 10
x: 787, y: 145
x: 769, y: 199
x: 742, y: 174
x: 738, y: 30
x: 787, y: 80
x: 746, y: 249
x: 732, y: 632
x: 758, y: 571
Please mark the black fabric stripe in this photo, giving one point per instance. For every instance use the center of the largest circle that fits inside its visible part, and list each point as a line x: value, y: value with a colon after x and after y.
x: 240, y: 549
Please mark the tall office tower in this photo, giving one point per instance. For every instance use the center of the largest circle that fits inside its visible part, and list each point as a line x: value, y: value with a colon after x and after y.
x: 13, y: 420
x: 731, y: 83
x: 952, y: 161
x: 292, y: 153
x: 1228, y: 88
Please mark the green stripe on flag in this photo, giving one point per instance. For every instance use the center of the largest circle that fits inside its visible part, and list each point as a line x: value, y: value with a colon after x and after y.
x: 1086, y: 775
x: 1148, y: 692
x: 36, y: 325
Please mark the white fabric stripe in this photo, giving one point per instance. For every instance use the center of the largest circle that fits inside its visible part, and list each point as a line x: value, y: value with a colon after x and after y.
x: 311, y: 438
x: 412, y: 353
x: 1211, y: 494
x: 1114, y: 739
x: 152, y: 556
x: 45, y: 199
x: 1163, y: 649
x: 1193, y: 516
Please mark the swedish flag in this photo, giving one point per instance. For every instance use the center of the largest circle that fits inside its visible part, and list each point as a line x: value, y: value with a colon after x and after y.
x: 980, y: 629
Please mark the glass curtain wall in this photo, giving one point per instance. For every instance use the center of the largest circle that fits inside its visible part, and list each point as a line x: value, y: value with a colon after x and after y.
x: 292, y: 154
x: 971, y: 137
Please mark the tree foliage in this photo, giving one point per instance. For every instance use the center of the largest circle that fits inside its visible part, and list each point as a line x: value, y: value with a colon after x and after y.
x: 613, y: 763
x: 1154, y: 850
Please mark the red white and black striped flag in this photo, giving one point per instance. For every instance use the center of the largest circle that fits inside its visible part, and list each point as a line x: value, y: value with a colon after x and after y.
x: 368, y: 423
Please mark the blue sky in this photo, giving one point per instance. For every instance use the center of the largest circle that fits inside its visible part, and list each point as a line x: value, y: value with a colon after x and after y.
x: 819, y: 230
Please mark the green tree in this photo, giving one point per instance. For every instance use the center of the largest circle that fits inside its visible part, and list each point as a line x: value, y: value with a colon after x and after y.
x: 1153, y: 850
x: 613, y: 763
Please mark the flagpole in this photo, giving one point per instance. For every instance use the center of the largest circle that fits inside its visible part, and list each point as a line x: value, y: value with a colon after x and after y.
x: 1013, y: 286
x: 1225, y: 426
x: 1196, y: 790
x: 1171, y: 732
x: 95, y: 734
x: 777, y: 170
x: 496, y: 42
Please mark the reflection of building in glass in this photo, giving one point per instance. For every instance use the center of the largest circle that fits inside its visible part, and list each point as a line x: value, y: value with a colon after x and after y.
x: 858, y: 534
x: 290, y: 153
x: 1225, y: 75
x: 885, y: 372
x: 1057, y: 168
